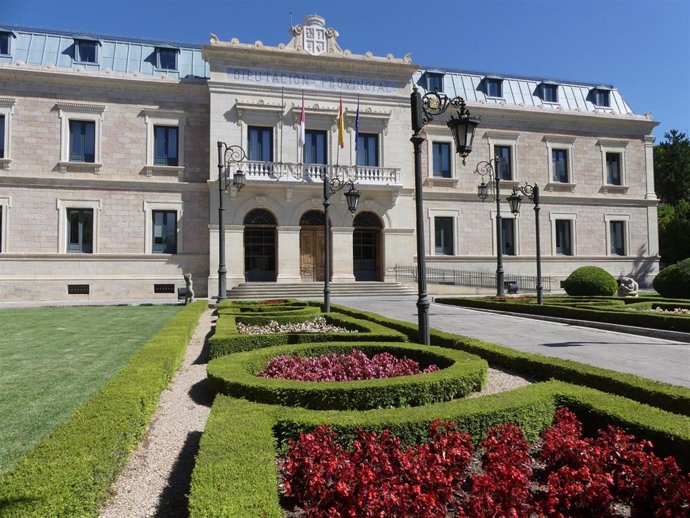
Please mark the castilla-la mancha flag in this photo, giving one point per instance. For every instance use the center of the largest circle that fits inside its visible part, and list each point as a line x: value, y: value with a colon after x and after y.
x: 301, y: 136
x: 341, y: 125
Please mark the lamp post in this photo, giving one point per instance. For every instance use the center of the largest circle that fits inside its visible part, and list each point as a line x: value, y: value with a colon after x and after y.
x: 227, y: 155
x: 490, y: 169
x: 532, y: 192
x: 424, y: 109
x: 330, y: 187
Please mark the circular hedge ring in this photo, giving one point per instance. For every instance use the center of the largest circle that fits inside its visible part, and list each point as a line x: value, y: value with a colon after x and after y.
x: 459, y: 374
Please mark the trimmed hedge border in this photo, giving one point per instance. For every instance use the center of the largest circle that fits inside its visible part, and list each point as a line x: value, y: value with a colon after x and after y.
x: 226, y: 340
x: 667, y: 397
x: 574, y: 310
x: 235, y: 473
x: 69, y: 473
x: 459, y: 374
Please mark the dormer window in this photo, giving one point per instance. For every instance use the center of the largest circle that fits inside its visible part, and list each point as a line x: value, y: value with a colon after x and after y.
x: 166, y: 58
x: 494, y: 86
x: 601, y: 97
x: 86, y: 50
x: 549, y: 92
x: 5, y: 42
x: 434, y: 82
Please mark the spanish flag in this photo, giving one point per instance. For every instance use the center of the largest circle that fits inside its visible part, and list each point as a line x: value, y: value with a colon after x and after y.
x: 341, y: 126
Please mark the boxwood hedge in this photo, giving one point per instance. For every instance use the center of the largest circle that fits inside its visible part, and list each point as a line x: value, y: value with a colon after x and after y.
x: 668, y: 397
x: 227, y: 341
x: 235, y: 474
x: 459, y: 374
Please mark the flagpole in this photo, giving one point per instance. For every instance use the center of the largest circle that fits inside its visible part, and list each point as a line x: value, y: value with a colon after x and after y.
x: 282, y: 114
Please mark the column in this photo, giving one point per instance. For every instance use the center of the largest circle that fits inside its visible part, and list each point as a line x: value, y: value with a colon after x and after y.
x: 288, y: 254
x: 234, y: 254
x: 342, y: 254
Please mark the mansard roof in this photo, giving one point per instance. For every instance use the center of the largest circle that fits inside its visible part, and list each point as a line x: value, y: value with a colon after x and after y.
x: 524, y: 91
x: 130, y: 56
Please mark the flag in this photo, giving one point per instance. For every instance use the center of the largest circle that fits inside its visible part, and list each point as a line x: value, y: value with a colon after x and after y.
x: 357, y: 125
x: 301, y: 136
x: 341, y: 125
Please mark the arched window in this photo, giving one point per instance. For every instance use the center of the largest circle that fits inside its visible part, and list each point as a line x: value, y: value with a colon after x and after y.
x: 367, y: 249
x: 260, y: 246
x: 312, y: 218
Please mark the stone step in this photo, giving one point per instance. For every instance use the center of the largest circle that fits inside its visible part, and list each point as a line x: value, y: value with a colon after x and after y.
x: 268, y: 290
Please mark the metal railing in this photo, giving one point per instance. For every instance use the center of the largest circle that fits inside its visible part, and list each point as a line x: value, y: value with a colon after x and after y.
x: 313, y: 173
x: 404, y: 273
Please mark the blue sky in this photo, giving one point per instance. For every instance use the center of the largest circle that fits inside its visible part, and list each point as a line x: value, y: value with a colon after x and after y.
x: 640, y: 46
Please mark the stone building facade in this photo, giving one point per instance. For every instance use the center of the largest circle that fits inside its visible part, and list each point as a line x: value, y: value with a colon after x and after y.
x: 109, y: 167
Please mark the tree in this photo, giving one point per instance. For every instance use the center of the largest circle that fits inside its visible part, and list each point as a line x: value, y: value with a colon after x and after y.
x: 672, y: 168
x: 672, y: 184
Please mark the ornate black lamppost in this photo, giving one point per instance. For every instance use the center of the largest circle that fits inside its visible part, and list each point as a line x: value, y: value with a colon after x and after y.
x: 330, y: 187
x: 227, y: 155
x: 490, y: 169
x: 424, y: 109
x: 532, y: 192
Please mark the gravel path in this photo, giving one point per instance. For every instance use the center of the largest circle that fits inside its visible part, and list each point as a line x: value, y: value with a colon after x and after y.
x: 498, y: 380
x: 155, y: 482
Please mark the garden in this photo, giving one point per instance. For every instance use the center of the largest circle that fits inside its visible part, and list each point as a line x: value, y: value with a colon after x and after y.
x: 343, y: 414
x: 590, y: 296
x: 347, y: 416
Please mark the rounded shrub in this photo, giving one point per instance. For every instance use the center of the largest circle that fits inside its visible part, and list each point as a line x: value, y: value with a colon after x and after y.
x: 674, y: 281
x: 590, y: 281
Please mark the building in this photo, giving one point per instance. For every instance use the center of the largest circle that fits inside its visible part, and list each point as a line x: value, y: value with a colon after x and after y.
x: 109, y: 166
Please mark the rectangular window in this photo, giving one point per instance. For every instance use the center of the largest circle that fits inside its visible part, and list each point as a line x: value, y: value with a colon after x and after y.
x: 494, y: 88
x: 315, y: 147
x: 508, y: 235
x: 505, y: 163
x: 166, y: 59
x: 443, y: 236
x: 85, y: 51
x: 260, y: 144
x: 165, y: 145
x: 5, y: 43
x: 564, y: 237
x: 601, y: 98
x: 613, y: 168
x: 434, y: 82
x: 550, y: 93
x: 82, y: 141
x: 617, y: 236
x: 441, y: 156
x: 164, y: 231
x: 2, y: 136
x: 80, y: 231
x: 368, y: 149
x: 559, y: 162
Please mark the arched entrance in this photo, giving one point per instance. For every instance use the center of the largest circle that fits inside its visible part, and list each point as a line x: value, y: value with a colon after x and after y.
x: 260, y: 246
x: 367, y: 249
x: 311, y: 249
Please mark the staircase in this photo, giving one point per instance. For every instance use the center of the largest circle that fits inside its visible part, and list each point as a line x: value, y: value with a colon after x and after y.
x: 314, y: 290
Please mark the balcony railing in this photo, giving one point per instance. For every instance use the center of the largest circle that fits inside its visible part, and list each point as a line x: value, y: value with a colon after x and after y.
x: 256, y: 171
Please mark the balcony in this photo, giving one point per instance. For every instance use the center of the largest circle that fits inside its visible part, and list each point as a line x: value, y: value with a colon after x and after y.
x: 286, y: 173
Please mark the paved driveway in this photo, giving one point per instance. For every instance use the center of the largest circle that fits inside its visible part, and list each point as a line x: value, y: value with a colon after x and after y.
x: 652, y: 358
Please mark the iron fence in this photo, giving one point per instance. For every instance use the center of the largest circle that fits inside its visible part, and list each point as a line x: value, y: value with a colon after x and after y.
x: 450, y: 276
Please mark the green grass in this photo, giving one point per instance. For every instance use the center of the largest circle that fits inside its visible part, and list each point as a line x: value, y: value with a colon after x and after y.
x: 55, y: 359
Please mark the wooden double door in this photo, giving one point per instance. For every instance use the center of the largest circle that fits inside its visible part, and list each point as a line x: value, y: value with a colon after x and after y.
x: 312, y: 253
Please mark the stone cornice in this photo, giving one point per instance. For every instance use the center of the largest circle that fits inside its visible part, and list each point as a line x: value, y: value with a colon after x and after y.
x: 546, y: 199
x: 98, y: 183
x: 48, y: 76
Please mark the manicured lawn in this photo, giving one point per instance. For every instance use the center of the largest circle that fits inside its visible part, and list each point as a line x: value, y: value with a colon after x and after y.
x: 54, y: 359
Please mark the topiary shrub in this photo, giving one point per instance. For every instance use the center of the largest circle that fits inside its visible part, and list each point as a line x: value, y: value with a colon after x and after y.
x: 674, y: 281
x: 590, y: 280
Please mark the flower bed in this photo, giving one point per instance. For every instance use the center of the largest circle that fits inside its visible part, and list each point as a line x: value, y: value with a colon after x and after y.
x: 568, y: 475
x: 342, y: 367
x: 316, y: 325
x: 458, y: 374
